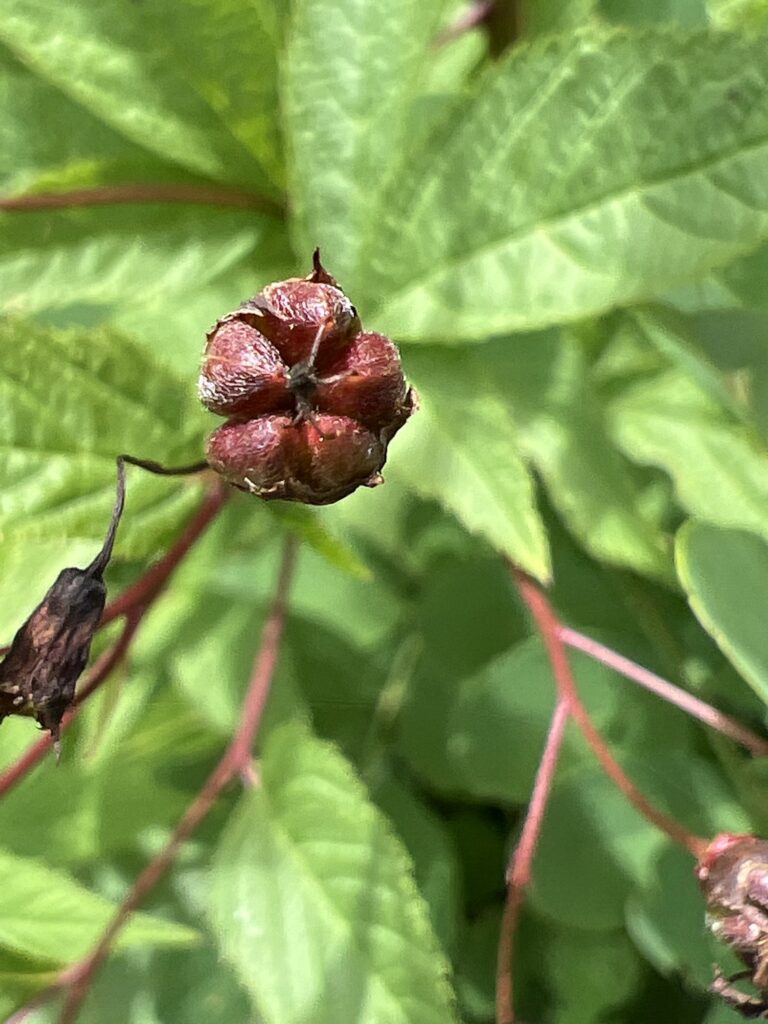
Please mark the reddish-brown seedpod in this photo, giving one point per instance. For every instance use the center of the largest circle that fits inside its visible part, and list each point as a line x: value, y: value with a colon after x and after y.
x: 316, y: 462
x: 366, y: 382
x: 313, y: 400
x: 242, y: 372
x: 305, y: 318
x: 733, y: 875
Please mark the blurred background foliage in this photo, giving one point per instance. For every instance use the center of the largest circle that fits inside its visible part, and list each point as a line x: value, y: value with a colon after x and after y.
x: 562, y: 218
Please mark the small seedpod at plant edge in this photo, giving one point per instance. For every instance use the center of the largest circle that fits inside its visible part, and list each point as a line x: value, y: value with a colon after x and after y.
x: 312, y: 400
x: 733, y: 875
x: 39, y: 672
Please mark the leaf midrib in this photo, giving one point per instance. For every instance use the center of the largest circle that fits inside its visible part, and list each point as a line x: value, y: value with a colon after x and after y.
x: 548, y: 225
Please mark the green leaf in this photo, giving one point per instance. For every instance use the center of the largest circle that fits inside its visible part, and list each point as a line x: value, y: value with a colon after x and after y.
x: 539, y: 17
x: 716, y: 463
x: 456, y: 734
x: 69, y: 403
x: 738, y: 14
x: 430, y: 845
x: 461, y: 448
x: 544, y: 378
x: 595, y: 848
x: 107, y: 257
x: 107, y: 58
x: 725, y: 575
x: 310, y: 885
x: 351, y: 72
x: 227, y: 50
x: 602, y: 967
x: 48, y: 141
x: 46, y: 914
x: 566, y: 187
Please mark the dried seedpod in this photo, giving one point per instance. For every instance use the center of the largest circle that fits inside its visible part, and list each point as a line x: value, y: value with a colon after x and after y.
x: 39, y: 673
x: 733, y: 875
x: 242, y: 374
x: 366, y: 382
x: 316, y: 461
x: 306, y: 318
x: 312, y: 400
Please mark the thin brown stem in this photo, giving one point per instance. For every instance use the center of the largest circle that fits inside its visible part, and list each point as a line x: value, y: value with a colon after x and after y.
x: 693, y: 706
x: 111, y: 195
x: 549, y: 628
x: 235, y: 760
x: 519, y: 870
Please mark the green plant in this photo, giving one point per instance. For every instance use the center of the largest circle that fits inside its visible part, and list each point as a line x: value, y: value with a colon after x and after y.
x: 559, y: 211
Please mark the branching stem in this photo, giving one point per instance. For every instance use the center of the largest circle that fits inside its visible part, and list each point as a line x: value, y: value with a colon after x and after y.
x: 235, y: 761
x: 693, y: 706
x: 519, y: 870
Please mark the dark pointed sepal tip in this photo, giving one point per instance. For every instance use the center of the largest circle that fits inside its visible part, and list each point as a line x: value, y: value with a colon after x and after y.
x: 319, y: 274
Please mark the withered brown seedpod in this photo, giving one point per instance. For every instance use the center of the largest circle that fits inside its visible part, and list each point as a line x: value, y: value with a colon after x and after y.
x: 39, y: 673
x: 733, y: 875
x: 312, y: 400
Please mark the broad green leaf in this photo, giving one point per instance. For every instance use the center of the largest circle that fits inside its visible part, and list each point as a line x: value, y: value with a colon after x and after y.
x: 430, y: 845
x: 47, y: 141
x: 310, y: 885
x: 690, y: 13
x: 46, y: 914
x: 69, y: 403
x: 539, y: 17
x: 739, y: 284
x: 351, y: 72
x: 725, y: 575
x: 595, y: 848
x: 738, y: 14
x: 227, y: 50
x: 716, y: 463
x: 481, y: 734
x: 113, y: 257
x: 603, y: 968
x: 567, y: 187
x: 461, y: 448
x: 107, y: 58
x: 562, y: 430
x: 668, y: 930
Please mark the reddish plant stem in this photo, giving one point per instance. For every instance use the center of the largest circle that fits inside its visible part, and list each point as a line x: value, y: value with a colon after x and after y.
x: 109, y: 195
x: 154, y: 579
x: 519, y: 870
x: 691, y: 705
x: 101, y: 670
x: 235, y: 760
x: 549, y: 627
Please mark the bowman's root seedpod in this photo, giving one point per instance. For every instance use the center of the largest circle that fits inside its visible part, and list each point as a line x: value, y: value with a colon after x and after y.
x: 312, y: 400
x: 733, y: 875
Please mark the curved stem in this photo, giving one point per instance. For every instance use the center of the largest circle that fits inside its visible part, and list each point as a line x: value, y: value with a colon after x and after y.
x: 693, y: 706
x: 519, y: 870
x: 549, y: 627
x: 235, y: 760
x: 152, y: 581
